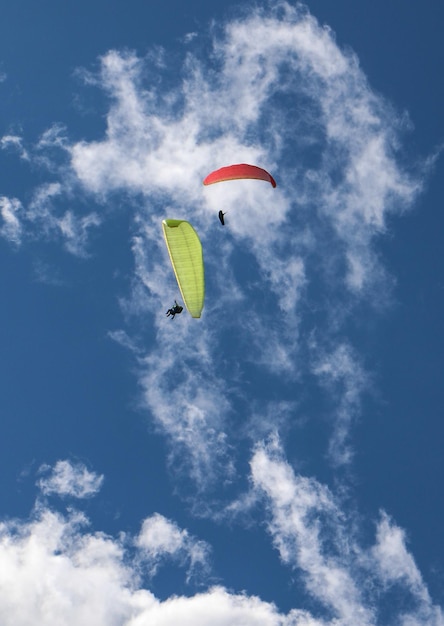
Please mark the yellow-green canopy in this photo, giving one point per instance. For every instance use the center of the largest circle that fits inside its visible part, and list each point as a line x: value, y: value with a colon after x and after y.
x: 186, y: 256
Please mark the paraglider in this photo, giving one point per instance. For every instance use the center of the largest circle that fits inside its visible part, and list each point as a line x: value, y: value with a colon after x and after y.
x: 175, y: 310
x: 185, y: 250
x: 238, y: 171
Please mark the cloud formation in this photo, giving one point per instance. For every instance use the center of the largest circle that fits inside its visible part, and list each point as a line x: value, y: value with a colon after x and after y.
x: 283, y: 280
x: 14, y: 142
x: 315, y: 534
x: 343, y: 375
x: 57, y: 569
x: 69, y: 479
x: 275, y: 90
x: 40, y: 219
x: 161, y: 538
x: 10, y: 210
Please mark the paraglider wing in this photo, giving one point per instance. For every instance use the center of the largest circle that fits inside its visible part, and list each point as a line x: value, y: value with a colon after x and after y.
x: 235, y: 172
x: 186, y: 256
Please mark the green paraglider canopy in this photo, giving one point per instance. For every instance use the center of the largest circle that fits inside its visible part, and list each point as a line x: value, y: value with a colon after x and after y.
x: 186, y: 256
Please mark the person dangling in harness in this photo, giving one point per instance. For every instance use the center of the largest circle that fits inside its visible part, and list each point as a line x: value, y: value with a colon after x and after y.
x: 175, y: 310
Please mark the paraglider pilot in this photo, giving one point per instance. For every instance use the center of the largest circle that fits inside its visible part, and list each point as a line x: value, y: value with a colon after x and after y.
x: 175, y: 310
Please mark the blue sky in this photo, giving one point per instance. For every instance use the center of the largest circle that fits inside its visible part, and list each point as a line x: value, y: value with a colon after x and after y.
x: 277, y: 462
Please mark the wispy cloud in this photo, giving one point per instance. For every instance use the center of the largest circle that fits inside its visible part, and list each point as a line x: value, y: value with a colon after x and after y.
x: 49, y: 221
x: 303, y: 516
x: 189, y: 406
x: 41, y: 219
x: 316, y: 536
x: 276, y: 90
x: 14, y: 142
x: 342, y: 374
x: 69, y: 479
x: 56, y: 571
x: 160, y: 539
x: 273, y: 88
x: 11, y: 229
x: 47, y: 273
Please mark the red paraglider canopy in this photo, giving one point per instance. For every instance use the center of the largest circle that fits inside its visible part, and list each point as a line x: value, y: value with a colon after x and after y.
x: 235, y: 172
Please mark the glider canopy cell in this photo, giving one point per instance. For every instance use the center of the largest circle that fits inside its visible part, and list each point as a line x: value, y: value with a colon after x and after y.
x: 185, y: 250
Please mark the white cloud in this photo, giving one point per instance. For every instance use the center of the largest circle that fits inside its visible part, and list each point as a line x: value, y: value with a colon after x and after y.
x: 11, y: 229
x: 341, y: 372
x: 221, y: 608
x: 54, y: 572
x: 44, y: 215
x: 189, y: 406
x: 276, y: 90
x: 69, y: 479
x: 14, y: 142
x: 302, y: 514
x: 57, y: 570
x: 396, y: 567
x: 53, y: 137
x: 316, y: 537
x: 75, y: 231
x: 160, y: 538
x: 164, y: 142
x: 40, y: 218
